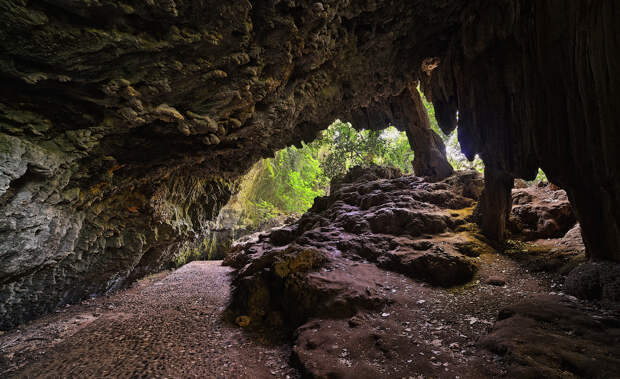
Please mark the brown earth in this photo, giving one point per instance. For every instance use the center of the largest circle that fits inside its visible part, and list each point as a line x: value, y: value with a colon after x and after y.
x: 165, y: 326
x: 387, y: 277
x: 170, y: 325
x: 346, y: 308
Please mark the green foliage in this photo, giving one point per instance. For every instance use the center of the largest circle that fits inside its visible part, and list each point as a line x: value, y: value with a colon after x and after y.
x: 399, y: 153
x: 457, y: 159
x: 285, y: 184
x: 289, y: 182
x: 430, y: 109
x: 541, y: 176
x: 346, y: 147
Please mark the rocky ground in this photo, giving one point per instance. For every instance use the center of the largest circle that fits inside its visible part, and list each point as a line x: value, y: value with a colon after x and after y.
x: 168, y: 325
x: 388, y: 277
x: 354, y: 289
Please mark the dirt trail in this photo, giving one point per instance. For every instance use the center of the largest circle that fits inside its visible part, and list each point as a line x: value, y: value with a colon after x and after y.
x: 164, y: 326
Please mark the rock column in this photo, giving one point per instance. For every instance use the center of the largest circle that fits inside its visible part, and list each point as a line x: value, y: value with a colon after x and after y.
x: 495, y: 204
x: 430, y: 152
x: 596, y: 208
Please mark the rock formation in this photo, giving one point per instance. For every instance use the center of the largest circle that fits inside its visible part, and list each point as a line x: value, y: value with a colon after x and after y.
x: 124, y: 125
x: 361, y: 291
x: 324, y: 265
x: 540, y: 212
x: 549, y: 336
x: 533, y: 84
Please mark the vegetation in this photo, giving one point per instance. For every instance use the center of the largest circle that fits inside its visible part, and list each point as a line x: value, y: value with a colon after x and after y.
x: 288, y: 183
x: 345, y: 147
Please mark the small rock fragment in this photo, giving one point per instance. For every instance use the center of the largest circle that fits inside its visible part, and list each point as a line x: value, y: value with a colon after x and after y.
x: 242, y: 321
x: 496, y: 281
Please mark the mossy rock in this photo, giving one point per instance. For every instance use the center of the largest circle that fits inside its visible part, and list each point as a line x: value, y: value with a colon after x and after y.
x: 294, y: 260
x: 474, y: 247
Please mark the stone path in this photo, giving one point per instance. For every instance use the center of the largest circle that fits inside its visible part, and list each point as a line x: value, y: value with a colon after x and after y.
x: 164, y: 326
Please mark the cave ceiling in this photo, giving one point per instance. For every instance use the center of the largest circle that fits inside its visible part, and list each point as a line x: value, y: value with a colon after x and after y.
x: 124, y: 124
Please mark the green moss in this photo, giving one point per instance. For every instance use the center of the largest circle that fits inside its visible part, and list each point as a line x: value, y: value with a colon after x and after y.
x: 463, y: 213
x: 188, y: 254
x: 514, y: 247
x: 473, y: 247
x: 294, y: 261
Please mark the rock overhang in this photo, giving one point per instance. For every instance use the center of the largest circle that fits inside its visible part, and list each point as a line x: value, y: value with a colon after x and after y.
x: 145, y: 113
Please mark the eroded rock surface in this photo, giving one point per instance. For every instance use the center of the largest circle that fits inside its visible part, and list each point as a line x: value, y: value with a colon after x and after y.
x: 555, y: 337
x: 351, y: 278
x: 124, y: 124
x: 540, y: 212
x: 597, y: 281
x: 532, y: 119
x: 374, y: 220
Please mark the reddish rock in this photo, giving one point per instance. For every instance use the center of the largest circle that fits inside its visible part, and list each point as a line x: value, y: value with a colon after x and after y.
x: 552, y: 337
x: 540, y: 212
x: 559, y: 255
x: 374, y: 220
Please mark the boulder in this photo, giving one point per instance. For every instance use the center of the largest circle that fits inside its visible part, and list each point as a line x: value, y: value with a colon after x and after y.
x: 375, y: 219
x: 595, y: 281
x: 540, y: 212
x: 553, y: 337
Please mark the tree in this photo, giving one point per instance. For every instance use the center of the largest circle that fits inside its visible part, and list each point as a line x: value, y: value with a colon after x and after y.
x: 347, y: 147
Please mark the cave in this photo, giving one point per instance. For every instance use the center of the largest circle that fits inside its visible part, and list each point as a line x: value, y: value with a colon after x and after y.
x: 125, y: 127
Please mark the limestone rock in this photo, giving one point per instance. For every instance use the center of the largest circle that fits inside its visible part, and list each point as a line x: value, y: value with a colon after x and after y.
x: 374, y: 220
x: 81, y: 80
x: 550, y: 337
x: 540, y: 212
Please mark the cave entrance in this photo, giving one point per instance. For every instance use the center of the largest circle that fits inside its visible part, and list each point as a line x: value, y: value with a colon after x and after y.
x: 278, y: 190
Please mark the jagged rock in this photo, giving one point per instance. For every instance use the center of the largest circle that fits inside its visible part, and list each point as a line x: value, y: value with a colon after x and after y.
x: 540, y: 212
x: 559, y: 255
x: 127, y: 125
x: 324, y: 265
x: 551, y: 337
x: 521, y: 124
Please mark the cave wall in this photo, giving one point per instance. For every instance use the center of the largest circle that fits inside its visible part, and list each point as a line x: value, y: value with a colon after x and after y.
x: 124, y: 125
x: 536, y: 84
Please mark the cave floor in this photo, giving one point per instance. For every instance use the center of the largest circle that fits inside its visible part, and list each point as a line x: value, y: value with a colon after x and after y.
x: 171, y: 325
x: 167, y: 325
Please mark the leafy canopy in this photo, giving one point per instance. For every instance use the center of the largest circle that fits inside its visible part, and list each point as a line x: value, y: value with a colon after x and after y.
x: 289, y: 182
